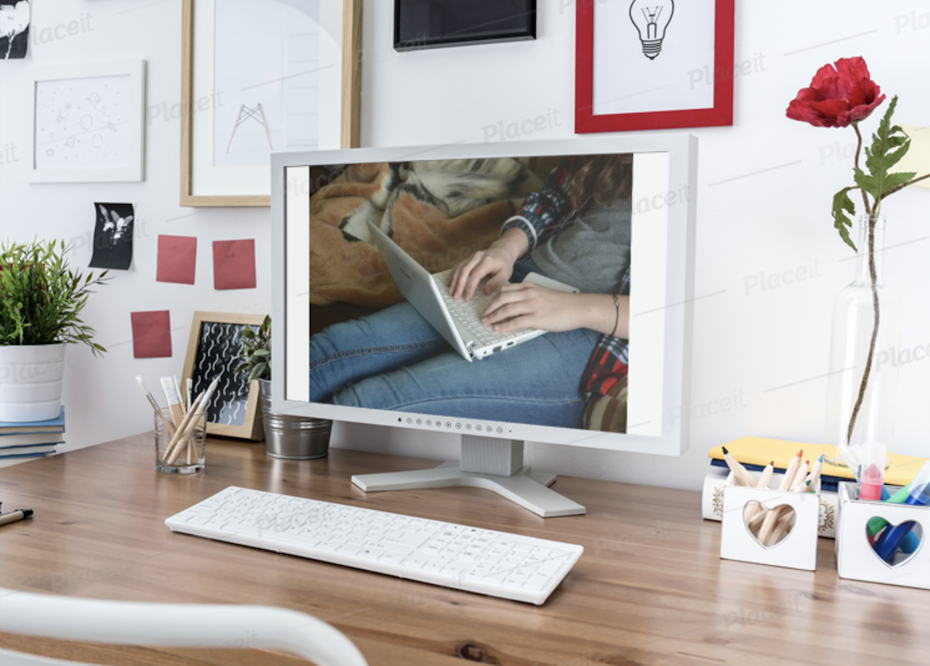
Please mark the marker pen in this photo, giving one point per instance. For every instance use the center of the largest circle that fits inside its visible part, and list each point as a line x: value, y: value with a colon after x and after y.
x: 872, y: 476
x: 13, y: 516
x: 893, y: 538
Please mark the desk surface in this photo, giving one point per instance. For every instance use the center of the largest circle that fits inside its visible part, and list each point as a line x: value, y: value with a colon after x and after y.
x: 650, y: 589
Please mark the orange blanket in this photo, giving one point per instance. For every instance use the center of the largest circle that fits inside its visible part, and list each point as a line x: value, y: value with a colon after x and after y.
x: 349, y: 270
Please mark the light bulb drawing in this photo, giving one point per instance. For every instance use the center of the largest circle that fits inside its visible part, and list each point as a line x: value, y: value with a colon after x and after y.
x: 651, y: 18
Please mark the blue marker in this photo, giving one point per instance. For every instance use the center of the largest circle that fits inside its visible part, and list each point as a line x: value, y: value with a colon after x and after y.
x: 891, y: 540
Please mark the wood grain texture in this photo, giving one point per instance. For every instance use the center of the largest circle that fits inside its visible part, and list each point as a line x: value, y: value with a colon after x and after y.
x: 350, y: 136
x: 650, y: 589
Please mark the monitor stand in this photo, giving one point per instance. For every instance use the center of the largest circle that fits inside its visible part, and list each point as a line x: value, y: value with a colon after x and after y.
x: 486, y: 462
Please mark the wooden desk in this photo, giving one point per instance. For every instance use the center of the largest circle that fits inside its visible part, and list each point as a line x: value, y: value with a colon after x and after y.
x: 650, y: 589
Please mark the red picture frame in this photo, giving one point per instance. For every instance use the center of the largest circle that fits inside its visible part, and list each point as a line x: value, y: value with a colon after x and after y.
x: 720, y: 114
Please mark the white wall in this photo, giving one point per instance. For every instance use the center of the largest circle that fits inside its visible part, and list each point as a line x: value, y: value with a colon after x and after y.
x: 764, y: 192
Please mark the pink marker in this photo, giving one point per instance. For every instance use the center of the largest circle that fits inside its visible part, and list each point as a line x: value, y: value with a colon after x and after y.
x: 870, y: 483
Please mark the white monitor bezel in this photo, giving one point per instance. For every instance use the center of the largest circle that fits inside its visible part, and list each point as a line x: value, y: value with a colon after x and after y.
x: 682, y: 164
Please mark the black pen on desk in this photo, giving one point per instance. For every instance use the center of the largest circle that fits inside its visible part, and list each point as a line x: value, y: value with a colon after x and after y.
x: 13, y: 516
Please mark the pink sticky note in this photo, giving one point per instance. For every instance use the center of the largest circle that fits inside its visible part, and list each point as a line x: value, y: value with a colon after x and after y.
x: 177, y: 257
x: 234, y: 264
x: 151, y: 334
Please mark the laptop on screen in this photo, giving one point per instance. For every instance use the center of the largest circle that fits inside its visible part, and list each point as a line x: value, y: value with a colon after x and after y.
x: 458, y: 322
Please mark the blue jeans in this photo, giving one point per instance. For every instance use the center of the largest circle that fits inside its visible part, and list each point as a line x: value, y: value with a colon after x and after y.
x: 395, y: 360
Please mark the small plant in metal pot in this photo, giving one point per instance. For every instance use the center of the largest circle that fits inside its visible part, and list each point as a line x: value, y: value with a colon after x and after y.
x: 286, y: 435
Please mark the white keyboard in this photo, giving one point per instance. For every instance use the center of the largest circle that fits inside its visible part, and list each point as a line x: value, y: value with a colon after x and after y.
x: 463, y: 558
x: 468, y: 313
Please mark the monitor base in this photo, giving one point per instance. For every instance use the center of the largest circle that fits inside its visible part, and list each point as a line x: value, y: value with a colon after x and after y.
x: 527, y: 488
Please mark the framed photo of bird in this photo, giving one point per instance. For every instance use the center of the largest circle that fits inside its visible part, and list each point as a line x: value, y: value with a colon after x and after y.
x: 654, y: 64
x: 88, y: 123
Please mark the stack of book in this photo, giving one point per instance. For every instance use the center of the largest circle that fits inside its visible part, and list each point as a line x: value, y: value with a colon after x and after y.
x: 33, y: 439
x: 756, y: 452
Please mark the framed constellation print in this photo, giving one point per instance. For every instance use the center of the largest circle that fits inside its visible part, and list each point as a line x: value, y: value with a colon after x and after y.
x: 653, y: 64
x: 214, y: 342
x: 88, y: 123
x: 258, y: 78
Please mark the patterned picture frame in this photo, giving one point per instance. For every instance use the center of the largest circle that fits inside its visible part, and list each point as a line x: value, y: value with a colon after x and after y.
x: 234, y: 410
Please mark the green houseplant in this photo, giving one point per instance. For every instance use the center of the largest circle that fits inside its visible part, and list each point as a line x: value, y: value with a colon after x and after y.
x: 41, y: 299
x: 286, y: 435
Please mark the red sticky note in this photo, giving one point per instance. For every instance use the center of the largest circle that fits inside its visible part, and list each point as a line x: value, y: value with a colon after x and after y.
x: 177, y: 258
x: 151, y: 334
x: 234, y: 264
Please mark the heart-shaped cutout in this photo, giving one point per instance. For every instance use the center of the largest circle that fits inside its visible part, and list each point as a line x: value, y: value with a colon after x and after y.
x: 769, y: 526
x: 894, y: 545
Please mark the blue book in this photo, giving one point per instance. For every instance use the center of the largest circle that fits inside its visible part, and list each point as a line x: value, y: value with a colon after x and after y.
x: 26, y: 451
x: 52, y: 425
x: 25, y: 455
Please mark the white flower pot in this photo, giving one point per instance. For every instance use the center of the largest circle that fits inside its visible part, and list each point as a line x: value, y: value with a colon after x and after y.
x: 31, y: 380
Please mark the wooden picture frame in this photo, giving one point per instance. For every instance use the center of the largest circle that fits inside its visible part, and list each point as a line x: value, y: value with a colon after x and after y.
x: 622, y: 82
x: 87, y: 123
x: 234, y: 410
x: 192, y: 103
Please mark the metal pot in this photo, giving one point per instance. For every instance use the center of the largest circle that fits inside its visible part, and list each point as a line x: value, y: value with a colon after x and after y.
x: 292, y: 437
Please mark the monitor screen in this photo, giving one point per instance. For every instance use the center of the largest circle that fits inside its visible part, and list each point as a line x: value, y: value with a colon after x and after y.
x: 589, y: 240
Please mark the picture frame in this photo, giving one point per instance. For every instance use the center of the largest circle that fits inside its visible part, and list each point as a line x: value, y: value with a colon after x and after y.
x: 87, y: 123
x: 462, y: 22
x: 234, y: 410
x: 203, y: 183
x: 628, y: 77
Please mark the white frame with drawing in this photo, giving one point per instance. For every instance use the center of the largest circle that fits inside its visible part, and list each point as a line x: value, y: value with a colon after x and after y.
x: 132, y: 167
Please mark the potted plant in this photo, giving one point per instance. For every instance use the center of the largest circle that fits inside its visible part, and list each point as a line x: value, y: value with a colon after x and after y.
x: 286, y: 435
x: 41, y: 300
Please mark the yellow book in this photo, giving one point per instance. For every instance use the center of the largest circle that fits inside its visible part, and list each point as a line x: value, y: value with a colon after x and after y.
x: 763, y: 450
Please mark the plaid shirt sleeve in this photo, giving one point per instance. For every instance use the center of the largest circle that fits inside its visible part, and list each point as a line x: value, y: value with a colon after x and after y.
x: 610, y: 360
x: 545, y: 210
x: 544, y: 213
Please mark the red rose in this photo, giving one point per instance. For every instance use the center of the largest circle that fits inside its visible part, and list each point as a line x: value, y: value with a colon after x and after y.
x: 837, y: 96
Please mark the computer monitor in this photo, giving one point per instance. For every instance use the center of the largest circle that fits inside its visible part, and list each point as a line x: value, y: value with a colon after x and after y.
x: 341, y: 323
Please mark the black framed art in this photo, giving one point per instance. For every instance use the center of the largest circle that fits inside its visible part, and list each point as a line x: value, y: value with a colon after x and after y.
x: 423, y: 24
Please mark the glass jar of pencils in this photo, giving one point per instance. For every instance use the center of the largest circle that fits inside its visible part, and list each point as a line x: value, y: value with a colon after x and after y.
x: 180, y: 441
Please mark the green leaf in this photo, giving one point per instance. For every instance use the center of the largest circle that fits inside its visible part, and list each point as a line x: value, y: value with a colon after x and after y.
x: 842, y: 204
x: 889, y: 144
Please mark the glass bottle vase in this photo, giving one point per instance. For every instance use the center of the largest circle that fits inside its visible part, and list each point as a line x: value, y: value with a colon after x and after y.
x: 857, y: 415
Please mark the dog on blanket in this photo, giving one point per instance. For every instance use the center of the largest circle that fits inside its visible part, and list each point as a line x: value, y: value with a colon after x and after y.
x: 453, y: 186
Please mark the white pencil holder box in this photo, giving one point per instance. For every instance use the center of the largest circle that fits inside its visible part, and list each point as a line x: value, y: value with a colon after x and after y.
x: 855, y: 557
x: 796, y: 550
